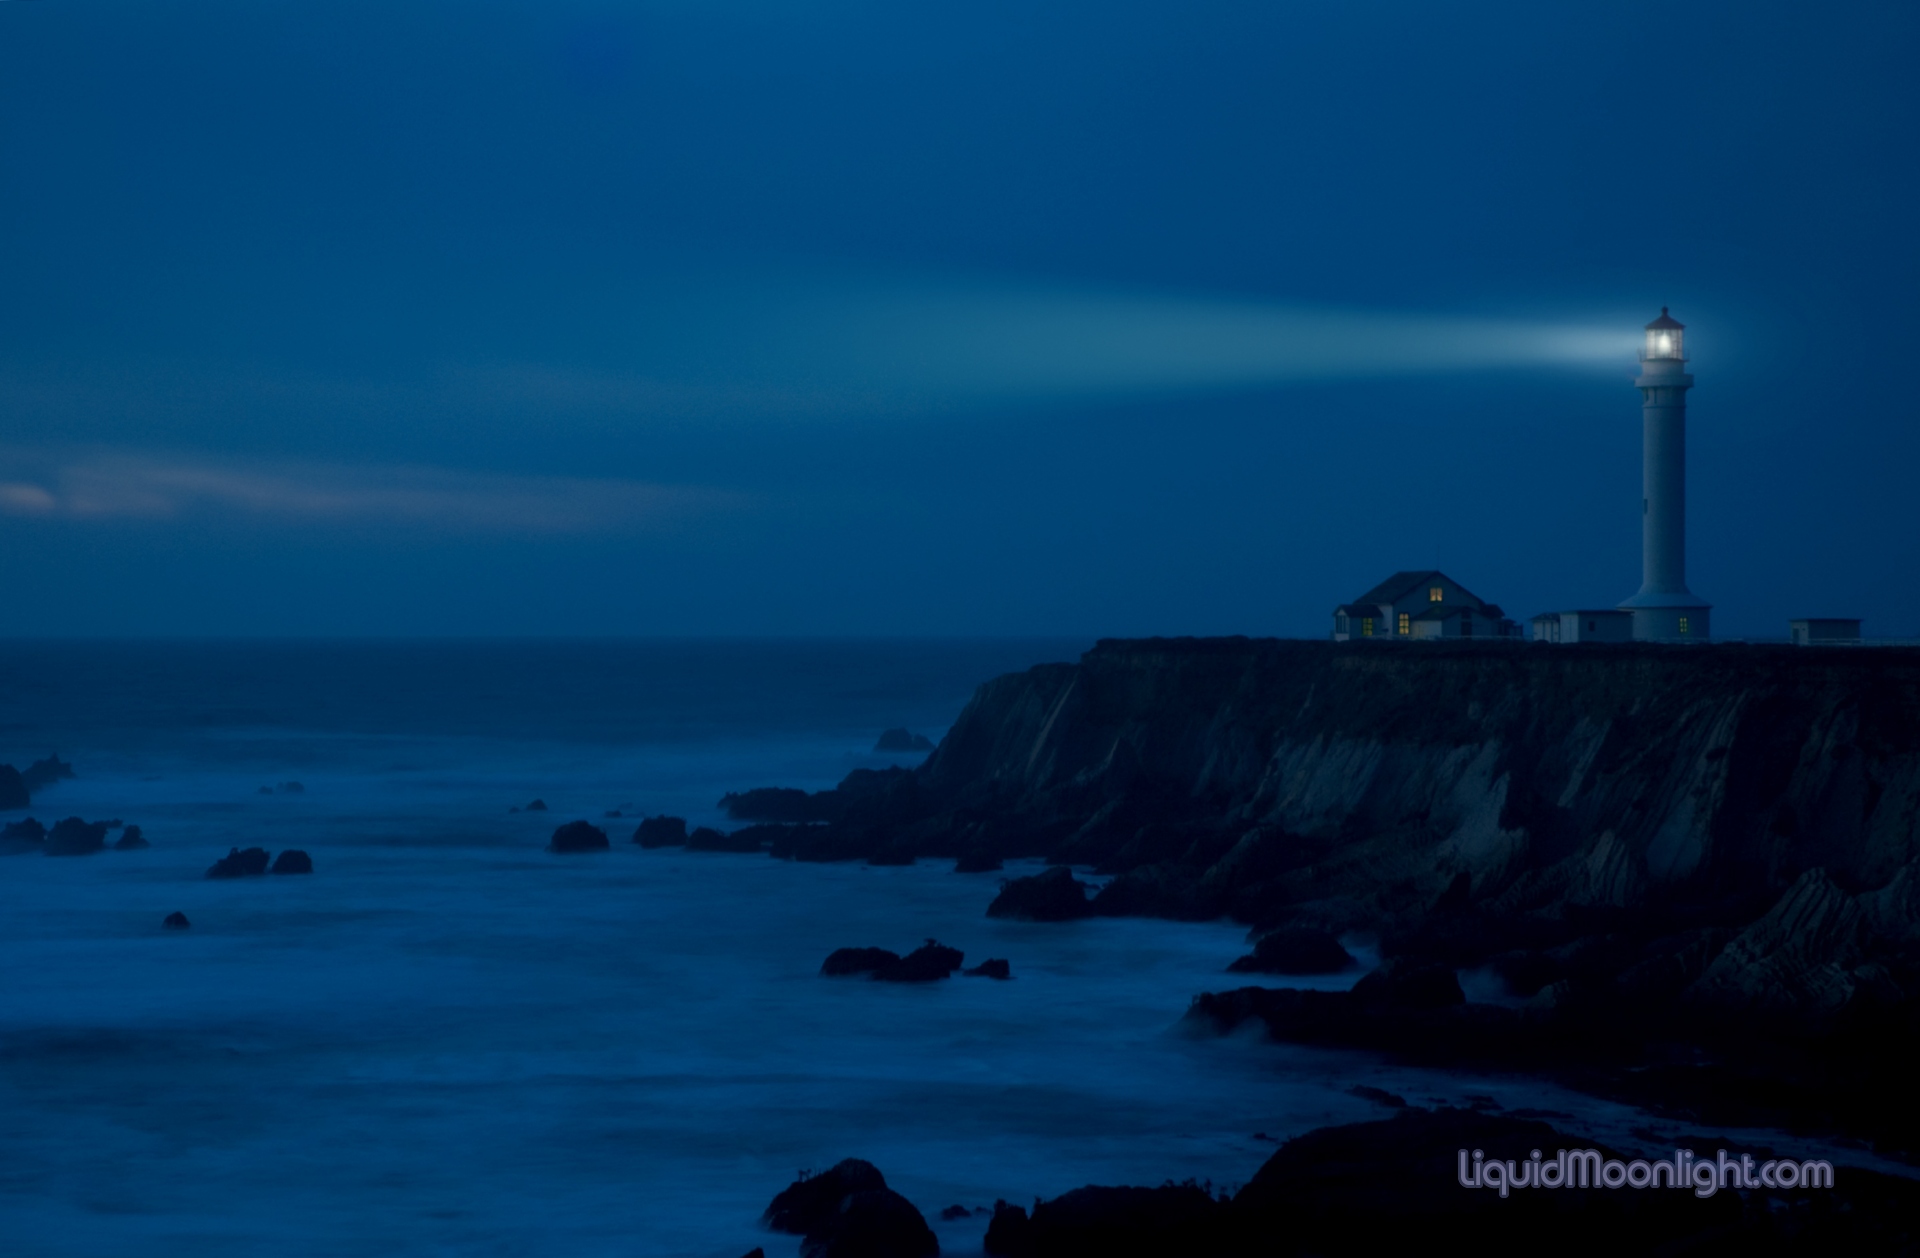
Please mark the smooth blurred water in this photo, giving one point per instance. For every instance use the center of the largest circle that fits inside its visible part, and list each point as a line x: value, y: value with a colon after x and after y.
x: 448, y: 1040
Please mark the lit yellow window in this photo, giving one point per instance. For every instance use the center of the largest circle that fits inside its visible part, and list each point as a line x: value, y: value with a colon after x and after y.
x: 1366, y: 627
x: 1683, y: 624
x: 1435, y: 594
x: 1405, y: 623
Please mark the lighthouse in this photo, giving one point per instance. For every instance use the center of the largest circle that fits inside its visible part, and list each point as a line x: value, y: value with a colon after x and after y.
x: 1665, y: 610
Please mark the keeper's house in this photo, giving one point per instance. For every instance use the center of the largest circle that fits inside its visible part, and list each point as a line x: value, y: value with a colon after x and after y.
x: 1410, y: 606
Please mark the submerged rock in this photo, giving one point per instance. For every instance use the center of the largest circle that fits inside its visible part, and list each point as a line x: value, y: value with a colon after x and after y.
x: 992, y: 967
x: 131, y: 840
x: 932, y: 960
x: 578, y: 836
x: 292, y: 861
x: 845, y: 961
x: 239, y: 864
x: 903, y: 740
x: 661, y: 831
x: 176, y: 921
x: 1295, y: 952
x: 1054, y: 896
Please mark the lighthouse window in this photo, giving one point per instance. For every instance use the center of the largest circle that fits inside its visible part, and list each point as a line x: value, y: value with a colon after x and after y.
x: 1406, y: 624
x: 1435, y: 594
x: 1683, y: 624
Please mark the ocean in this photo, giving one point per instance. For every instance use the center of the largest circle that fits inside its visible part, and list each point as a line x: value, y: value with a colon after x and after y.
x: 448, y: 1040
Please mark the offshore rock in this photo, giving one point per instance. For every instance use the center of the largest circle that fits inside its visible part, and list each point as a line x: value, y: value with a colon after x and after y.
x: 578, y: 836
x: 875, y: 1223
x: 746, y: 839
x: 903, y: 740
x: 845, y: 961
x: 1097, y: 1222
x: 811, y: 1202
x: 176, y: 921
x: 661, y: 831
x: 929, y: 962
x: 74, y: 837
x: 44, y: 773
x: 1054, y: 896
x: 1295, y: 951
x: 131, y: 840
x: 24, y: 835
x: 13, y: 789
x: 992, y: 967
x: 292, y: 861
x: 240, y: 864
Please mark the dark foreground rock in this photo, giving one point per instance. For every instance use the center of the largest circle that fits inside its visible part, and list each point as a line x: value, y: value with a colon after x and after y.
x: 240, y: 864
x: 928, y: 963
x: 176, y: 921
x: 849, y: 1212
x: 74, y: 837
x: 978, y: 862
x: 661, y: 831
x: 1297, y: 952
x: 992, y: 967
x: 292, y: 861
x: 1054, y: 896
x: 1394, y: 1186
x: 842, y: 962
x: 578, y: 836
x: 131, y: 840
x: 903, y: 740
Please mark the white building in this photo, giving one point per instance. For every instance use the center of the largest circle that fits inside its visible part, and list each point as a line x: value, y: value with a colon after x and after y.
x: 1817, y: 629
x: 1412, y: 606
x: 1611, y: 625
x: 1665, y: 610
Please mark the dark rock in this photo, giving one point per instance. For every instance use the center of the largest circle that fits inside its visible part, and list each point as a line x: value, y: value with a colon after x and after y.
x: 1295, y: 951
x: 25, y: 831
x: 756, y: 1252
x: 951, y: 1213
x: 661, y: 831
x: 782, y: 805
x: 610, y: 814
x: 74, y: 837
x: 176, y: 921
x: 746, y: 839
x: 903, y: 740
x: 538, y: 805
x: 930, y: 961
x: 13, y: 789
x: 874, y: 1223
x: 578, y: 836
x: 292, y: 861
x: 240, y: 864
x: 1410, y: 985
x: 44, y: 773
x: 131, y: 840
x: 845, y: 961
x: 978, y: 862
x: 265, y: 790
x: 1054, y: 896
x: 811, y: 1202
x: 1379, y: 1096
x: 291, y: 788
x: 1173, y: 1219
x: 992, y: 967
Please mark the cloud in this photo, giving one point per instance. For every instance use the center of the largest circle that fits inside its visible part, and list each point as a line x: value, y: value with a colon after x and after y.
x: 131, y: 486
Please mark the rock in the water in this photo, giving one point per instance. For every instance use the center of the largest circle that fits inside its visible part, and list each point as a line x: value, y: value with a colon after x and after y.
x: 74, y: 837
x: 176, y: 921
x: 876, y: 1223
x: 538, y: 805
x: 1054, y: 896
x: 756, y: 1252
x: 292, y: 861
x: 977, y: 862
x: 903, y: 740
x: 1173, y: 1219
x: 578, y: 836
x: 131, y: 840
x: 992, y: 967
x: 708, y: 839
x: 239, y: 864
x: 1295, y: 952
x: 661, y: 832
x: 291, y: 788
x: 951, y: 1213
x: 844, y: 961
x: 44, y: 773
x: 810, y: 1202
x: 25, y: 831
x: 611, y: 814
x: 1409, y: 984
x: 930, y: 961
x: 13, y: 789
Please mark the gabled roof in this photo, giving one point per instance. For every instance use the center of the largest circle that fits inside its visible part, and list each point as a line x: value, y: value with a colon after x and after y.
x: 1359, y: 609
x: 1400, y: 584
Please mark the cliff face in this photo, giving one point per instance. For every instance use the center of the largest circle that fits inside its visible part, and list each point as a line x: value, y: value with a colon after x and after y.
x: 1524, y: 787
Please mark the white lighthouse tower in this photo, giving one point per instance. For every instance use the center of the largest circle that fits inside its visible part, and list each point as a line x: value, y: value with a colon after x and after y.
x: 1665, y: 610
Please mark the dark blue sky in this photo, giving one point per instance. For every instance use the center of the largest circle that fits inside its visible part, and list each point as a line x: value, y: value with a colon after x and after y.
x: 870, y: 318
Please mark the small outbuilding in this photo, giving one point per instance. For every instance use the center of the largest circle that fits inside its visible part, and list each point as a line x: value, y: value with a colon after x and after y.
x: 1609, y: 625
x: 1815, y: 630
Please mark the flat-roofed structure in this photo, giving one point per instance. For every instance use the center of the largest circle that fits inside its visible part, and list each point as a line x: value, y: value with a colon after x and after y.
x: 1609, y: 625
x: 1814, y: 630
